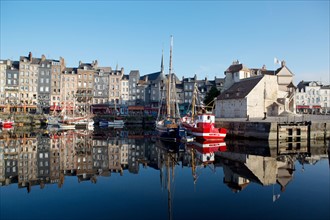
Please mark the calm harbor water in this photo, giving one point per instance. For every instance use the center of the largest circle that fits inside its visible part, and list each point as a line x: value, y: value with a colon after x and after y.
x: 129, y: 174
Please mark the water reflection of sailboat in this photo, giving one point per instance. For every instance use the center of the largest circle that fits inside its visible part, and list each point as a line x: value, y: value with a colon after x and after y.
x: 168, y: 157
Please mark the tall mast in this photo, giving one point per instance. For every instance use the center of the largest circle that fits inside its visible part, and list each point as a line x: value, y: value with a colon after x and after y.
x: 193, y: 102
x: 168, y: 103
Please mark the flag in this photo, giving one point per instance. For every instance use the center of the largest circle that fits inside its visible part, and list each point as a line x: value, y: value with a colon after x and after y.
x: 276, y: 61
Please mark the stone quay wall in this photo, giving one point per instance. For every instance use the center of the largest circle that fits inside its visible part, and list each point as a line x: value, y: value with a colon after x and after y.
x: 289, y: 128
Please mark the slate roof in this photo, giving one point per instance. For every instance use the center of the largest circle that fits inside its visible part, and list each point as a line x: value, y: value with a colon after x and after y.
x: 151, y: 76
x: 87, y: 65
x: 236, y: 68
x: 325, y: 87
x: 303, y: 84
x: 69, y: 70
x: 105, y: 69
x: 14, y: 66
x: 135, y: 72
x: 240, y: 89
x: 125, y: 77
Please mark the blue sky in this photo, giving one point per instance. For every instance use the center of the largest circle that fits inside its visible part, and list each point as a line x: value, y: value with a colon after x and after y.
x: 208, y: 35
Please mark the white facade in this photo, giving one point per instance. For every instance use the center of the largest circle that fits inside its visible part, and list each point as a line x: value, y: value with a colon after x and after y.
x: 312, y: 97
x: 262, y: 98
x: 124, y: 90
x: 3, y: 67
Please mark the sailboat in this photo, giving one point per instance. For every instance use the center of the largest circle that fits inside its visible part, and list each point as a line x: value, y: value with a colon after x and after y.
x: 167, y: 125
x: 202, y: 124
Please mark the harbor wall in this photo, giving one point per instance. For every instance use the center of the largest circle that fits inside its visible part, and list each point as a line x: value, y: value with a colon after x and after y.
x: 275, y: 130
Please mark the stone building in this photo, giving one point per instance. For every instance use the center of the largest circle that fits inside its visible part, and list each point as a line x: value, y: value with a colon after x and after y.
x: 256, y: 92
x: 115, y: 84
x: 85, y: 74
x: 125, y: 89
x: 312, y: 98
x: 101, y: 85
x: 188, y: 88
x: 69, y: 81
x: 133, y: 80
x: 3, y: 66
x: 12, y: 83
x: 57, y: 68
x: 153, y: 87
x: 44, y: 83
x: 29, y: 73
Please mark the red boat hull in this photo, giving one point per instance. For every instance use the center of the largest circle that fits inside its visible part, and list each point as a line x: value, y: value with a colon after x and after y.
x: 206, y: 131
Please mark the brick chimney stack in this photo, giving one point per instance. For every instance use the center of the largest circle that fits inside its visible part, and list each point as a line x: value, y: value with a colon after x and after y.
x: 30, y: 56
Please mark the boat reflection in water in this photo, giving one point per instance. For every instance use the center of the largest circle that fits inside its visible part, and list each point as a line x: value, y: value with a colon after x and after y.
x: 40, y: 158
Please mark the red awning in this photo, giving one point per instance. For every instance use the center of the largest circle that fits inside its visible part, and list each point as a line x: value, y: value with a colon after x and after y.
x: 303, y: 106
x: 141, y: 108
x: 57, y: 108
x: 316, y: 106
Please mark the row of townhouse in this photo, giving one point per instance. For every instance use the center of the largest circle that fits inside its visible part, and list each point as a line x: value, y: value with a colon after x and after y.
x: 313, y: 97
x: 245, y: 92
x: 49, y: 84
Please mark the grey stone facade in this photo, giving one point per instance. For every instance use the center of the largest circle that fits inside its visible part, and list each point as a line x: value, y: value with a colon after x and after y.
x: 44, y: 82
x: 101, y: 86
x: 133, y: 81
x: 12, y: 83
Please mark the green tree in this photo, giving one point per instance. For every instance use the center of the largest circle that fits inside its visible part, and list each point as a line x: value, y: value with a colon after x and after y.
x: 209, y: 98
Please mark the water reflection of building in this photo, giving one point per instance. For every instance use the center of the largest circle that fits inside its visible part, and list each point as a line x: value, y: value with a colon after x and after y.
x: 242, y: 166
x: 28, y: 161
x: 68, y: 155
x: 10, y: 145
x: 31, y: 159
x: 43, y: 159
x: 100, y: 156
x: 85, y: 168
x: 114, y: 146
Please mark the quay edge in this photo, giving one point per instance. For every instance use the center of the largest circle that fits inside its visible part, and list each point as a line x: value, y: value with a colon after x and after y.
x: 274, y: 129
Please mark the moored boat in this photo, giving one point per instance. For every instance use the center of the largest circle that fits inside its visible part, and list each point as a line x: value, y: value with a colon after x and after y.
x: 202, y: 126
x: 6, y: 123
x: 167, y: 123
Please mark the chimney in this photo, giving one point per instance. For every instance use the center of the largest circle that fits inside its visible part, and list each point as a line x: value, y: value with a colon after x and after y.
x: 283, y: 63
x: 62, y: 64
x: 205, y: 79
x: 43, y: 57
x: 79, y: 62
x: 95, y: 64
x: 30, y: 56
x: 263, y: 67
